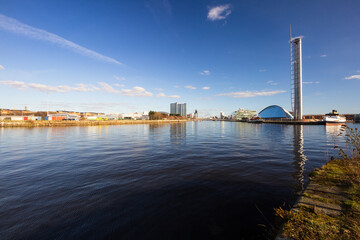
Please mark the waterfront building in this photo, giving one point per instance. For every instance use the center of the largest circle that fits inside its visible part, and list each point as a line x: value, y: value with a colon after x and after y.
x: 243, y: 114
x: 178, y: 108
x: 196, y: 114
x: 275, y: 112
x: 222, y: 115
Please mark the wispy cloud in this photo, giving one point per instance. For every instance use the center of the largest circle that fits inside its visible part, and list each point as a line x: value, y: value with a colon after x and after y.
x: 262, y: 70
x: 2, y: 67
x: 272, y: 83
x: 14, y: 84
x: 61, y: 88
x: 353, y: 77
x: 219, y: 12
x: 159, y: 89
x: 174, y: 96
x: 136, y: 92
x: 80, y: 87
x: 13, y: 25
x: 205, y: 73
x: 107, y: 88
x: 248, y: 94
x: 119, y: 78
x: 161, y: 95
x: 164, y: 95
x: 206, y: 88
x: 317, y: 82
x: 119, y: 85
x: 323, y: 55
x: 190, y: 87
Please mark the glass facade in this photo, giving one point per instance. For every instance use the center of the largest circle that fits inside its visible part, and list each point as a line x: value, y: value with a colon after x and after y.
x: 178, y: 108
x: 275, y: 111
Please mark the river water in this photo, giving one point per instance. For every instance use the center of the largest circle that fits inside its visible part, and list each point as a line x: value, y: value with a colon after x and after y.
x: 194, y: 180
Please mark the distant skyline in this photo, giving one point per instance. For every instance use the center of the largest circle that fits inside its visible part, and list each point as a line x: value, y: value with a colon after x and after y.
x: 134, y: 56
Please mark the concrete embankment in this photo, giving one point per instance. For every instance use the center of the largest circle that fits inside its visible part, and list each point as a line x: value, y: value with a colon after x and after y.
x: 82, y: 123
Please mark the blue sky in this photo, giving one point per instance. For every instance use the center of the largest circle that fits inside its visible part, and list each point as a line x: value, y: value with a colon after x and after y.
x: 127, y: 56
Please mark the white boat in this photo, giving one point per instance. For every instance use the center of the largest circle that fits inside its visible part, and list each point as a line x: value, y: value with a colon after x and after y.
x: 334, y: 118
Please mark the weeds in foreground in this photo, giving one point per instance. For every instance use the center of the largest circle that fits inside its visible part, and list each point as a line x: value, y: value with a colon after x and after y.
x: 306, y: 223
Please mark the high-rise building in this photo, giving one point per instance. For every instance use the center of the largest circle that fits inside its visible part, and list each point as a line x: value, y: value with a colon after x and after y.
x: 296, y: 76
x: 178, y: 108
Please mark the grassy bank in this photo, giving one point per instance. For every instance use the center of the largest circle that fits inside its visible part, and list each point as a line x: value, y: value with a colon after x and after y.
x: 330, y: 206
x: 81, y: 123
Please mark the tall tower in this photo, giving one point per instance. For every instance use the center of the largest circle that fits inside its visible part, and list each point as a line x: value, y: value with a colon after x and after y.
x: 296, y: 75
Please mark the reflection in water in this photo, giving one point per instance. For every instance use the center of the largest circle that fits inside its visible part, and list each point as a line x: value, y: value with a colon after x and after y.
x: 153, y: 128
x: 178, y: 133
x: 332, y: 130
x: 222, y: 125
x: 300, y: 158
x: 194, y: 180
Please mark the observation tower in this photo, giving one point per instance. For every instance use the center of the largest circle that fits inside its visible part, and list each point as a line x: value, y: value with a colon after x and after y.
x: 296, y: 75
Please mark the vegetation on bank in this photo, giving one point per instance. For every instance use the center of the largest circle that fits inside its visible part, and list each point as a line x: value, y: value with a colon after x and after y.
x: 160, y: 116
x: 306, y: 222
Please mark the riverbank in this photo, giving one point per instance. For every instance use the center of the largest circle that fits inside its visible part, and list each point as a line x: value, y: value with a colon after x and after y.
x: 329, y: 208
x: 82, y: 123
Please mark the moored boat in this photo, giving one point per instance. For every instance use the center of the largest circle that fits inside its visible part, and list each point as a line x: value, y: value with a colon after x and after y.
x: 334, y: 118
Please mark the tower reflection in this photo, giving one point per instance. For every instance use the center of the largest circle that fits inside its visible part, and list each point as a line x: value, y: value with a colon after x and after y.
x: 299, y: 157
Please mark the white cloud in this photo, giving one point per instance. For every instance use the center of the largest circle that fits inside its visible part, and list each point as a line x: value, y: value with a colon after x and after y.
x: 174, y: 96
x: 136, y: 92
x: 219, y: 12
x: 272, y: 83
x: 2, y: 67
x: 205, y: 88
x: 323, y: 55
x: 161, y: 95
x: 45, y: 88
x: 171, y: 96
x: 205, y: 72
x: 107, y: 88
x: 82, y: 88
x: 119, y: 85
x: 262, y: 70
x: 13, y: 25
x: 61, y: 88
x: 190, y: 87
x: 119, y: 78
x: 353, y: 77
x: 317, y: 82
x: 15, y: 84
x: 248, y: 94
